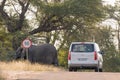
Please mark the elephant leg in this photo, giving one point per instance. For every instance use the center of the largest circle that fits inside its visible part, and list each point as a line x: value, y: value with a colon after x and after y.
x: 31, y: 57
x: 55, y: 62
x: 48, y: 60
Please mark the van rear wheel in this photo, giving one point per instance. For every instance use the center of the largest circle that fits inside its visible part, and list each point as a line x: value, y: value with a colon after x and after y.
x: 75, y: 69
x: 98, y: 70
x: 70, y: 69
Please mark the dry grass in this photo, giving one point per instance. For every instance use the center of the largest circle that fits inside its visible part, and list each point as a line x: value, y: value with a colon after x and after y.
x: 1, y: 77
x: 9, y: 70
x: 26, y: 66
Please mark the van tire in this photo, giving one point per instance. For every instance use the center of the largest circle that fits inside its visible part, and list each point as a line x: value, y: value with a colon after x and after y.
x: 75, y: 69
x: 70, y: 69
x: 98, y: 70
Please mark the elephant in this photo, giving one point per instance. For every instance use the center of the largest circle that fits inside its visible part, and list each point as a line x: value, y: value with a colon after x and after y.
x: 45, y: 53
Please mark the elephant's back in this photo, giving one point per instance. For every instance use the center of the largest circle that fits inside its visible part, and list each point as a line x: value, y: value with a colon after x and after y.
x: 45, y: 53
x: 48, y: 47
x: 44, y: 48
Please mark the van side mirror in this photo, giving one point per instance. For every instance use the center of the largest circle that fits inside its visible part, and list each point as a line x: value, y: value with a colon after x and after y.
x: 101, y: 52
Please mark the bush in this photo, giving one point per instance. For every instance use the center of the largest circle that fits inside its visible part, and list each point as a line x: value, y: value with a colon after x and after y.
x: 111, y: 61
x: 63, y: 58
x: 6, y: 54
x: 112, y: 64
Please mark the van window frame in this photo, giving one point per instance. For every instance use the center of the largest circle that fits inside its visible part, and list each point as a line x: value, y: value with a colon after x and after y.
x: 93, y: 48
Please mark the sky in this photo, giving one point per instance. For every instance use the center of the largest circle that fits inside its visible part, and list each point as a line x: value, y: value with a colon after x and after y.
x: 110, y: 22
x: 111, y: 2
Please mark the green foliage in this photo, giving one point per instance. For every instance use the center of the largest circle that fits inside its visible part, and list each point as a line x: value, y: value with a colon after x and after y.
x: 5, y: 43
x: 18, y: 37
x: 111, y: 61
x: 8, y: 41
x: 86, y: 10
x: 111, y: 56
x: 62, y: 57
x: 81, y: 8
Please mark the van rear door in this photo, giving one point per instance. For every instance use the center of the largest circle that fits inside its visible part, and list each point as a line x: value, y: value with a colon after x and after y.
x: 83, y: 54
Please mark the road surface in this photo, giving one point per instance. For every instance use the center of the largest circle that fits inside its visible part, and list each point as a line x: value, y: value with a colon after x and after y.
x: 63, y: 75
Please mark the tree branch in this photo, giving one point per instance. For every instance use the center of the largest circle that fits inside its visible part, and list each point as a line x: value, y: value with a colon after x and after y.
x: 22, y: 15
x: 6, y: 17
x: 11, y: 24
x: 21, y: 3
x: 3, y: 4
x: 47, y: 25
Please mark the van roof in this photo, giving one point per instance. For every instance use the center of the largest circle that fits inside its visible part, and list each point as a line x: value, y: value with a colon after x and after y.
x: 83, y: 43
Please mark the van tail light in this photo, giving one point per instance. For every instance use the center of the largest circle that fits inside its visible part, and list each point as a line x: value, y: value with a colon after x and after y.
x: 69, y: 56
x: 95, y: 55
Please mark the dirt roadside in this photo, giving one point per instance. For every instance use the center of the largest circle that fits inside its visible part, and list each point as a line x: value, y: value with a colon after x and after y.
x: 61, y: 75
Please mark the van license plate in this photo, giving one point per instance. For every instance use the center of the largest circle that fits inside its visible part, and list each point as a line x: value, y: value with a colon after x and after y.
x: 82, y: 59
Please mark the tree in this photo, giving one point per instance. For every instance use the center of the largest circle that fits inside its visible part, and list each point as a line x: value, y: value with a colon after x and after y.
x: 58, y: 16
x: 5, y: 43
x: 56, y: 12
x: 113, y: 12
x: 49, y: 16
x: 112, y: 57
x: 12, y: 17
x: 14, y: 22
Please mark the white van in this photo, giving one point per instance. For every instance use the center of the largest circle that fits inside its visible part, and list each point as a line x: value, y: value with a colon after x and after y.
x: 85, y: 55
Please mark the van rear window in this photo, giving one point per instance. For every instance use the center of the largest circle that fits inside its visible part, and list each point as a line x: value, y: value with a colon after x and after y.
x: 82, y: 48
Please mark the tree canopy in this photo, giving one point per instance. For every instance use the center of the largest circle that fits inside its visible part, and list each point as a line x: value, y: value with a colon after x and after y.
x: 58, y: 15
x: 50, y: 16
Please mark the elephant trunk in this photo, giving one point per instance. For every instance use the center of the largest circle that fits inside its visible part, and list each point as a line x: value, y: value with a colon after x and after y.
x: 20, y: 53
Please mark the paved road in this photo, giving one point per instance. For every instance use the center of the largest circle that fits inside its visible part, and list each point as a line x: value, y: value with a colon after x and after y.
x: 61, y: 75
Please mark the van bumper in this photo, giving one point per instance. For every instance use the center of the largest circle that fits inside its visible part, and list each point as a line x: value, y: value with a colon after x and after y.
x: 83, y: 66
